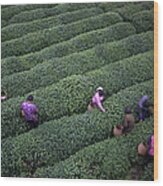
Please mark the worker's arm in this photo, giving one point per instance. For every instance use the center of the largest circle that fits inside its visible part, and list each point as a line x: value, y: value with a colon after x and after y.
x: 22, y: 112
x: 99, y: 104
x: 21, y: 109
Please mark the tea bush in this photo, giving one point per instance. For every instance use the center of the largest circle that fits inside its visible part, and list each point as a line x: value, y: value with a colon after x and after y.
x: 72, y: 94
x: 61, y: 53
x: 56, y: 140
x: 38, y: 40
x: 17, y: 30
x: 109, y: 159
x: 28, y: 16
x: 10, y: 11
x: 51, y: 71
x: 143, y: 21
x: 114, y: 51
x: 76, y: 44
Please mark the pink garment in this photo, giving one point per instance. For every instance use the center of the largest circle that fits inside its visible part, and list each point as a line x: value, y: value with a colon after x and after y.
x: 3, y: 97
x: 151, y: 150
x: 97, y: 101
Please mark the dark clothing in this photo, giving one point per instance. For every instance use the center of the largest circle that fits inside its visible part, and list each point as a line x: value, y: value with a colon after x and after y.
x: 129, y: 122
x: 143, y: 108
x: 32, y: 124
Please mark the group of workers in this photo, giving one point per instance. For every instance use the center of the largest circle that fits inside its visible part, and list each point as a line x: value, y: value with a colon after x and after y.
x: 143, y: 110
x: 30, y: 113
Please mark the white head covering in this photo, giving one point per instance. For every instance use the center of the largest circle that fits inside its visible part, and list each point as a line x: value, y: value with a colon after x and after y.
x: 99, y: 88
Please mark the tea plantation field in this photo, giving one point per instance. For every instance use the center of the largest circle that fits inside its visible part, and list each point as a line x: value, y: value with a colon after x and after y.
x: 61, y: 53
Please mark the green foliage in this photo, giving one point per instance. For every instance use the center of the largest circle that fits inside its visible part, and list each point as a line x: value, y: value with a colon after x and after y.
x: 3, y: 24
x: 109, y: 159
x: 10, y: 11
x: 148, y: 173
x: 17, y: 30
x: 147, y: 5
x: 58, y: 139
x: 114, y: 51
x: 106, y: 7
x: 36, y: 41
x: 72, y: 94
x: 28, y: 16
x: 126, y: 9
x: 79, y: 43
x: 129, y: 10
x: 62, y: 53
x: 52, y: 71
x: 143, y: 21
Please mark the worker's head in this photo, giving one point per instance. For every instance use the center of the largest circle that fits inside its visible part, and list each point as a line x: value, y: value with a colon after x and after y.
x: 30, y: 98
x: 147, y: 103
x: 128, y: 110
x: 100, y: 90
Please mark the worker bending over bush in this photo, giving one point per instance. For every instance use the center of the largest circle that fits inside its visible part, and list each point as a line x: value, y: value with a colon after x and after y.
x: 30, y: 112
x: 127, y: 126
x: 144, y: 108
x: 97, y: 100
x: 147, y: 149
x: 129, y: 120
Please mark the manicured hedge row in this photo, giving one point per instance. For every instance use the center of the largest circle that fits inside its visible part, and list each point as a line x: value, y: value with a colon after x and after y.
x: 47, y: 12
x: 10, y: 11
x: 58, y: 139
x: 38, y: 40
x: 105, y: 160
x: 148, y: 173
x: 129, y: 46
x: 110, y: 6
x: 3, y: 24
x: 72, y: 94
x: 146, y: 4
x: 128, y: 11
x: 128, y: 6
x: 17, y: 30
x: 143, y: 21
x: 44, y: 75
x: 51, y: 71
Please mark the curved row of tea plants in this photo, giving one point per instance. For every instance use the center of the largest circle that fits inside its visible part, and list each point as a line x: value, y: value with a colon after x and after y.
x: 79, y: 43
x: 56, y: 140
x: 47, y: 12
x: 128, y: 46
x: 17, y: 30
x: 72, y: 94
x: 110, y: 159
x: 51, y: 71
x: 8, y: 12
x: 143, y: 21
x: 127, y: 12
x: 39, y: 40
x: 148, y: 173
